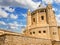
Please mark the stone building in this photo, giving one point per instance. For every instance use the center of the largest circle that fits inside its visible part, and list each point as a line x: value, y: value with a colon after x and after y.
x: 41, y: 29
x: 42, y: 23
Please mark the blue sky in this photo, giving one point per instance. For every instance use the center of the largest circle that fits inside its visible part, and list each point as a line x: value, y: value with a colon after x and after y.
x: 13, y: 13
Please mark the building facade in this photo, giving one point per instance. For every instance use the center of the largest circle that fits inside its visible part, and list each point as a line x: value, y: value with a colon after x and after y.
x: 41, y: 29
x: 42, y: 23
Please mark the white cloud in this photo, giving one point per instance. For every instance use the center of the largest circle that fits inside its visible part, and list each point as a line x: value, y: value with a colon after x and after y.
x: 0, y: 0
x: 9, y: 9
x: 48, y: 1
x: 3, y: 13
x: 21, y: 24
x: 13, y: 16
x: 2, y: 23
x: 24, y: 15
x: 54, y: 9
x: 13, y: 25
x: 51, y: 1
x: 57, y: 1
x: 30, y: 4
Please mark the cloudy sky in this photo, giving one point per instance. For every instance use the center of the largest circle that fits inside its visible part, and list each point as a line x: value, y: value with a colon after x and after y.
x: 13, y: 12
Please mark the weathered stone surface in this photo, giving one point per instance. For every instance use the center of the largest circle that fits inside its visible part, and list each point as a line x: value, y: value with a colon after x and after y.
x: 2, y: 40
x: 9, y: 39
x: 22, y: 40
x: 42, y: 20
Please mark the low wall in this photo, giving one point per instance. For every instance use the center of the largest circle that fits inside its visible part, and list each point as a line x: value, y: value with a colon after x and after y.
x: 55, y: 42
x: 8, y: 39
x: 2, y: 39
x: 11, y: 39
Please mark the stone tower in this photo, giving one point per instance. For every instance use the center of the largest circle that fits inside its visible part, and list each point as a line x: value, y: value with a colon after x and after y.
x: 28, y: 18
x: 52, y: 23
x: 41, y: 23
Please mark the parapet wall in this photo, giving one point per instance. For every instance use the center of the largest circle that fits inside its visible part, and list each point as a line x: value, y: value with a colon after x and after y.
x: 8, y: 39
x: 2, y: 39
x: 55, y: 42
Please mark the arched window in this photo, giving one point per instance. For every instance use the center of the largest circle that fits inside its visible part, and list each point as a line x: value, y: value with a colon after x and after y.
x: 33, y: 19
x: 42, y: 17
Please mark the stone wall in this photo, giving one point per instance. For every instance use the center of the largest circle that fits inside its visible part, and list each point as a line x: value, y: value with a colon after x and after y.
x: 8, y: 39
x: 55, y: 42
x: 59, y: 31
x: 2, y: 39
